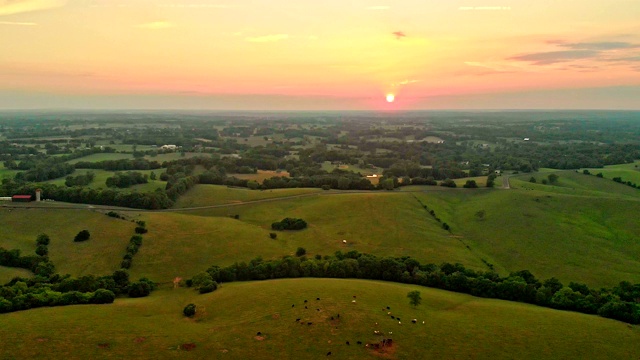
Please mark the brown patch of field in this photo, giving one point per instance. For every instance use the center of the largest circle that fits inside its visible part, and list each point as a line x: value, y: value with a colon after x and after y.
x: 140, y: 339
x: 261, y: 175
x: 275, y: 316
x: 387, y: 351
x: 42, y: 339
x: 188, y: 346
x: 259, y: 338
x: 104, y: 345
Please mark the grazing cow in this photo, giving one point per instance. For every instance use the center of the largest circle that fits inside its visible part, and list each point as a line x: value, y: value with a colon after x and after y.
x: 388, y: 308
x: 298, y: 319
x: 293, y: 305
x: 354, y: 296
x: 338, y: 316
x: 389, y: 313
x: 309, y: 323
x: 414, y: 321
x: 317, y: 298
x: 399, y: 323
x: 306, y: 307
x: 259, y: 333
x: 348, y: 343
x: 393, y: 317
x: 305, y: 301
x: 398, y: 319
x: 318, y: 309
x: 329, y: 353
x: 359, y: 343
x: 332, y: 318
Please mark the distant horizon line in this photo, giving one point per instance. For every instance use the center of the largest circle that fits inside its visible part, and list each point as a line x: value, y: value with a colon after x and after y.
x: 307, y: 110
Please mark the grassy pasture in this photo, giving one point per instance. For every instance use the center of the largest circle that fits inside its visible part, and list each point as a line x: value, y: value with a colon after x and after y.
x: 628, y: 172
x: 573, y: 183
x: 391, y: 224
x: 8, y: 273
x: 574, y: 238
x: 173, y: 156
x: 100, y: 255
x: 207, y: 195
x: 456, y: 326
x: 99, y: 182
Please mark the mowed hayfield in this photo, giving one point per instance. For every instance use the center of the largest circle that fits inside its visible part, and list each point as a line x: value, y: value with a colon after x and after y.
x: 228, y: 321
x: 101, y: 157
x: 261, y: 175
x: 8, y: 273
x: 100, y: 255
x: 628, y: 172
x: 208, y: 195
x: 385, y: 224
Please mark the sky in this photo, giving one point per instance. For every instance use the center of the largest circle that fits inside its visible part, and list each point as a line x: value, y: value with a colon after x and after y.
x: 319, y: 55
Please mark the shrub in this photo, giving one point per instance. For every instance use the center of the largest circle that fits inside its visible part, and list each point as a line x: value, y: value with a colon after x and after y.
x: 139, y: 289
x: 470, y: 184
x: 301, y: 251
x: 326, y: 187
x: 289, y: 224
x: 273, y: 235
x: 141, y: 230
x: 43, y: 239
x: 208, y: 286
x: 189, y: 310
x: 42, y: 250
x: 102, y: 296
x: 83, y: 235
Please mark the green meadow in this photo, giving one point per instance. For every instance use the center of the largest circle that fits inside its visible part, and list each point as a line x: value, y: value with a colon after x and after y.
x: 228, y: 321
x: 208, y: 195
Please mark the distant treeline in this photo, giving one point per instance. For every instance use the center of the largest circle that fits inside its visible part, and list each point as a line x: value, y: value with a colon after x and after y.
x: 621, y: 302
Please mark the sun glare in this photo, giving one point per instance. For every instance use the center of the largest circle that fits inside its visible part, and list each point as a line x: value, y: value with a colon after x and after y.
x: 390, y: 98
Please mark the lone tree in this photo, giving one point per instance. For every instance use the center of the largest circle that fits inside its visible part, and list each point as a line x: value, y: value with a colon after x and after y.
x: 553, y: 178
x: 414, y: 298
x: 301, y: 251
x: 83, y: 235
x: 189, y: 310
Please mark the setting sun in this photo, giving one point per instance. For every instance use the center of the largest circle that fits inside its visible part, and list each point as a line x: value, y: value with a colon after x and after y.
x: 390, y: 98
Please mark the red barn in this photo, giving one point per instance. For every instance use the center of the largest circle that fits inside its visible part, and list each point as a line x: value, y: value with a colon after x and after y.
x: 21, y: 198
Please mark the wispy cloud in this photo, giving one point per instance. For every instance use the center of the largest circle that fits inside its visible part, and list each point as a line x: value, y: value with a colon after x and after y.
x: 552, y: 57
x: 378, y: 7
x: 9, y: 7
x: 604, y: 45
x: 399, y: 34
x: 612, y: 51
x: 156, y: 25
x: 267, y: 38
x: 18, y: 23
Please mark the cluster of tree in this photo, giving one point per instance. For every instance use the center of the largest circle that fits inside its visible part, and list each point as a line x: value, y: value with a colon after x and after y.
x: 47, y: 288
x: 621, y: 302
x: 203, y: 282
x: 152, y: 200
x: 289, y: 224
x: 79, y: 180
x: 127, y: 179
x: 431, y: 212
x: 83, y: 235
x: 134, y: 245
x: 44, y: 171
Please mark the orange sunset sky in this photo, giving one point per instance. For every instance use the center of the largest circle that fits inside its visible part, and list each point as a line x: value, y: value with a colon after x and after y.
x: 320, y: 55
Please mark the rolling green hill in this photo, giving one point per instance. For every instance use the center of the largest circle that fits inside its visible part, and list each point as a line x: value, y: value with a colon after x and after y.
x: 228, y: 320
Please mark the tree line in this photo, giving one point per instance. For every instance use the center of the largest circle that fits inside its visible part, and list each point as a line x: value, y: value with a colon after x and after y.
x: 621, y: 302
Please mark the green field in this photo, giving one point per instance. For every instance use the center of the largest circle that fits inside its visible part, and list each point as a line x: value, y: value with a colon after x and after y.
x: 101, y: 255
x: 628, y: 172
x: 101, y: 157
x: 7, y: 273
x: 392, y: 224
x: 207, y: 195
x: 455, y: 326
x: 99, y: 182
